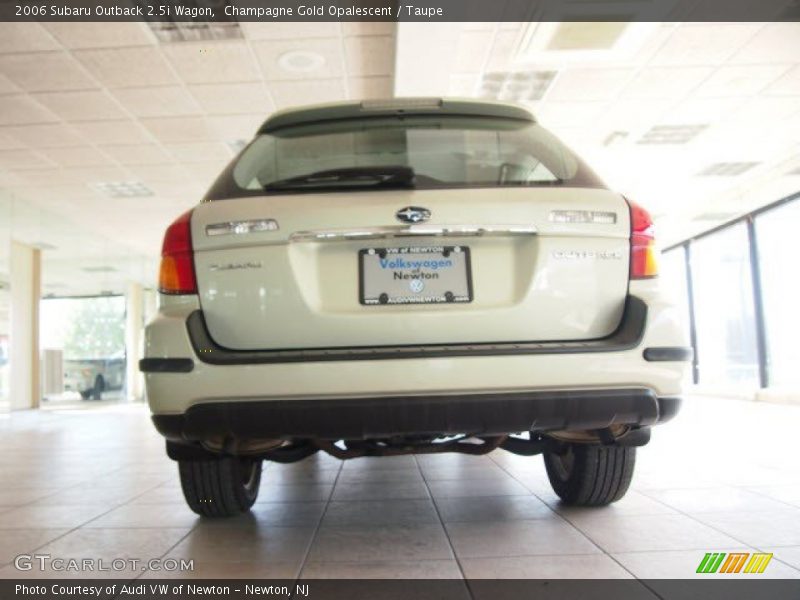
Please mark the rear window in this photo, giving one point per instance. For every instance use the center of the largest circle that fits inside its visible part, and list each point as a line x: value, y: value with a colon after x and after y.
x: 443, y: 152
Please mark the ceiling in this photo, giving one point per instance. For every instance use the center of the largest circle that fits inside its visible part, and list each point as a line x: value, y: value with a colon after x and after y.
x: 699, y: 122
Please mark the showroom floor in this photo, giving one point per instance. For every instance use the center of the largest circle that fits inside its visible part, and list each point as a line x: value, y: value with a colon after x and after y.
x: 95, y: 484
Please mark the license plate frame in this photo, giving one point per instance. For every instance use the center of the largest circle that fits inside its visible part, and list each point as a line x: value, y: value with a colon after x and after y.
x: 428, y: 274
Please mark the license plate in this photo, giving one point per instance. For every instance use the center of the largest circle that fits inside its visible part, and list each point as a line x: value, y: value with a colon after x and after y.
x: 415, y: 275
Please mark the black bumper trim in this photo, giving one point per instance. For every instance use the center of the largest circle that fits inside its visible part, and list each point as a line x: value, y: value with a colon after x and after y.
x: 628, y: 335
x: 666, y: 353
x: 477, y: 414
x: 166, y: 365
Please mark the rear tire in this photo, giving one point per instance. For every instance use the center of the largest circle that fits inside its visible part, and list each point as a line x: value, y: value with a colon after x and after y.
x: 222, y: 487
x: 589, y: 474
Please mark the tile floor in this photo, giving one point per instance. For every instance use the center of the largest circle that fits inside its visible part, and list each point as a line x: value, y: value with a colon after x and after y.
x: 95, y: 483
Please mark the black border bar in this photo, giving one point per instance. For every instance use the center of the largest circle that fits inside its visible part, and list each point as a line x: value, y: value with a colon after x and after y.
x: 430, y: 11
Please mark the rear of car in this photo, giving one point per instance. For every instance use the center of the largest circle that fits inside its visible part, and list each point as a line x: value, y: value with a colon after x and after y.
x: 383, y: 278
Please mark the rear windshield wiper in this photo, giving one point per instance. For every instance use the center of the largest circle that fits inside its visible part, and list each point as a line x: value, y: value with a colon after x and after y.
x: 399, y: 176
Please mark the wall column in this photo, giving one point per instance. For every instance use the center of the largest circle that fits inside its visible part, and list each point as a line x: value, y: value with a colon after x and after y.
x: 25, y: 283
x: 134, y: 327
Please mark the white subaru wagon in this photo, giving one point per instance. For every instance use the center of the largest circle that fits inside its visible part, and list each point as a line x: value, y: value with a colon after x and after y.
x: 410, y: 276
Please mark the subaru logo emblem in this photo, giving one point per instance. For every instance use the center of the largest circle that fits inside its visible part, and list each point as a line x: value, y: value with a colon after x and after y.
x: 413, y: 214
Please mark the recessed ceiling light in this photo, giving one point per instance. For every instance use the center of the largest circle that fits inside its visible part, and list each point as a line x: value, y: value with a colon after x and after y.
x: 671, y: 134
x: 727, y: 169
x: 122, y: 189
x: 301, y: 61
x: 516, y: 86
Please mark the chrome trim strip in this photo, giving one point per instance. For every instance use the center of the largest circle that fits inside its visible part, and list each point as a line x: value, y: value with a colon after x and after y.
x: 241, y: 227
x: 368, y: 233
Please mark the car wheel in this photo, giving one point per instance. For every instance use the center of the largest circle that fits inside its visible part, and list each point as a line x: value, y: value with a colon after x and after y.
x: 589, y: 474
x: 222, y: 487
x: 99, y: 387
x: 86, y: 394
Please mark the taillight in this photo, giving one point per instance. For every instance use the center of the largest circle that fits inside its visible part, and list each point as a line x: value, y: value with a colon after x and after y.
x: 644, y: 256
x: 176, y: 275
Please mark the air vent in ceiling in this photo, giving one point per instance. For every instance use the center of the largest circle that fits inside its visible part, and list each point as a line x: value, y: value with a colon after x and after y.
x: 99, y: 269
x: 122, y: 189
x: 519, y: 86
x: 727, y: 169
x: 671, y: 134
x: 194, y: 21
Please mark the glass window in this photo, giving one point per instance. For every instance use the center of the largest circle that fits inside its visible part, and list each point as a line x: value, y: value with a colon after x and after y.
x: 441, y: 151
x: 83, y: 348
x: 780, y: 290
x: 723, y: 300
x: 673, y: 282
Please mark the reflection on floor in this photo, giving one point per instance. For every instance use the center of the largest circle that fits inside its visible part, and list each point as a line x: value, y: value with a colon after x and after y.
x: 725, y: 476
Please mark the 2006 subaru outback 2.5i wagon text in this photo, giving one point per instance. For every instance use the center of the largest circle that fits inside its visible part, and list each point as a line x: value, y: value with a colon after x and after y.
x: 414, y: 275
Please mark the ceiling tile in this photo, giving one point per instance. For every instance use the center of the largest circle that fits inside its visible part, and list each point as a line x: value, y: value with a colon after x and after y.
x: 789, y: 84
x: 294, y: 93
x: 369, y: 55
x: 587, y: 85
x: 198, y: 152
x: 701, y: 110
x: 569, y: 113
x: 181, y: 129
x: 703, y: 44
x: 7, y: 86
x: 329, y: 49
x: 137, y: 154
x: 45, y: 72
x: 290, y: 30
x: 18, y: 109
x: 740, y: 80
x: 127, y: 67
x: 155, y: 173
x: 162, y: 101
x: 774, y: 43
x: 90, y: 35
x: 88, y: 175
x: 113, y: 132
x: 666, y: 82
x: 212, y: 62
x: 25, y: 37
x: 78, y: 156
x: 204, y: 174
x: 232, y: 98
x: 472, y: 50
x: 81, y: 106
x: 8, y: 142
x: 235, y: 127
x: 22, y: 159
x: 46, y: 136
x: 370, y: 87
x: 34, y: 178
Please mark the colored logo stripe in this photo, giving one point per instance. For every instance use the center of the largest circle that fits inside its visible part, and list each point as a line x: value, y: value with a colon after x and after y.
x: 758, y: 563
x: 713, y: 562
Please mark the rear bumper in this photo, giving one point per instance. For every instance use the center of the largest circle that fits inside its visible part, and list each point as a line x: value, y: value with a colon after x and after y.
x: 541, y: 384
x: 479, y: 414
